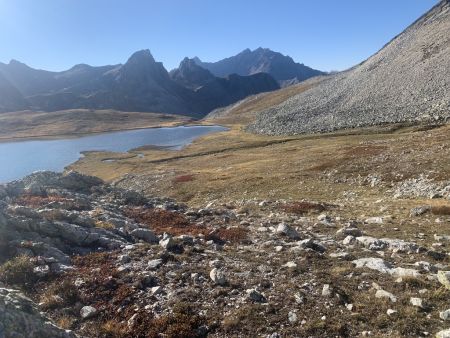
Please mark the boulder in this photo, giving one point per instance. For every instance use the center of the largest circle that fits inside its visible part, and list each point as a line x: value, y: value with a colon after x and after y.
x: 19, y: 317
x: 377, y: 264
x: 168, y: 243
x: 287, y: 230
x: 417, y: 302
x: 445, y: 315
x: 371, y: 243
x: 255, y: 296
x: 87, y: 312
x: 218, y: 277
x: 444, y: 278
x: 69, y: 232
x: 155, y: 263
x: 385, y: 294
x: 443, y: 334
x: 419, y: 211
x: 374, y: 220
x: 349, y: 231
x: 145, y: 234
x: 310, y: 244
x: 403, y: 272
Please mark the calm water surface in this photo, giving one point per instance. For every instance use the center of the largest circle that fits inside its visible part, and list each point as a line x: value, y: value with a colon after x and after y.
x: 18, y: 159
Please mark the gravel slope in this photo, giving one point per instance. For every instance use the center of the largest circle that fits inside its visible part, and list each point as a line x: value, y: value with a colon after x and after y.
x: 407, y: 80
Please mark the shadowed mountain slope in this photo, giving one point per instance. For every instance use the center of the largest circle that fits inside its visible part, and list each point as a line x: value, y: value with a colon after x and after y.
x: 141, y: 84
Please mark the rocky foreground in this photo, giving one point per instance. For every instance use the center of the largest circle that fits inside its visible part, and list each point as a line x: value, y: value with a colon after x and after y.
x: 98, y: 261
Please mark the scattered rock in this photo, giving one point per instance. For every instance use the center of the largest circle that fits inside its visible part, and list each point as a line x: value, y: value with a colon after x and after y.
x: 87, y: 312
x: 444, y: 278
x: 391, y: 312
x: 377, y: 264
x: 155, y: 263
x: 445, y: 315
x: 167, y: 243
x: 145, y: 234
x: 218, y: 277
x: 417, y: 302
x: 291, y: 265
x: 443, y: 334
x: 419, y: 211
x: 286, y: 230
x: 374, y: 220
x: 292, y: 317
x: 385, y: 294
x: 327, y: 290
x: 255, y: 296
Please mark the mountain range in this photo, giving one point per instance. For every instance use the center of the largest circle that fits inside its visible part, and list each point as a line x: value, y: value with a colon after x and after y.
x: 407, y: 81
x: 262, y: 60
x: 141, y: 84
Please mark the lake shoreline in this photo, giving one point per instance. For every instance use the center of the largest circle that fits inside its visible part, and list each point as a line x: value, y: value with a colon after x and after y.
x: 64, y: 136
x: 23, y: 157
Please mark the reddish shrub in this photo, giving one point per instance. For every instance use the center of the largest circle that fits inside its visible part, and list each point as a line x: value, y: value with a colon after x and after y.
x: 183, y: 179
x: 301, y: 208
x: 443, y: 210
x: 233, y: 235
x: 161, y: 221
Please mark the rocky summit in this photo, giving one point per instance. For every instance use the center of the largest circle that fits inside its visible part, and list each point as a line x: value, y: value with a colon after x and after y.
x: 100, y: 261
x: 261, y: 60
x: 406, y: 81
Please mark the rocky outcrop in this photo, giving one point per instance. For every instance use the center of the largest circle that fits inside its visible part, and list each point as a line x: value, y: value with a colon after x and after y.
x: 54, y: 216
x: 406, y: 81
x: 20, y: 318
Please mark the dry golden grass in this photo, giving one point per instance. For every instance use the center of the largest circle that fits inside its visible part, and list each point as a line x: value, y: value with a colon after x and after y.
x: 30, y: 124
x: 18, y: 272
x: 104, y: 225
x: 442, y: 210
x: 234, y: 165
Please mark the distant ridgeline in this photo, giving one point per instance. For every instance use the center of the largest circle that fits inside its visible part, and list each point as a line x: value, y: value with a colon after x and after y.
x: 142, y: 84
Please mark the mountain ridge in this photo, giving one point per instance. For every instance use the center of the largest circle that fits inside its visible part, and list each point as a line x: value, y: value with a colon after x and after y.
x: 261, y: 60
x: 140, y: 84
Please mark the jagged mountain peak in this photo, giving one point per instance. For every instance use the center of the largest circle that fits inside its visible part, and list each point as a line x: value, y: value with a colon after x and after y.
x: 261, y: 60
x: 141, y: 56
x: 189, y: 74
x: 15, y: 64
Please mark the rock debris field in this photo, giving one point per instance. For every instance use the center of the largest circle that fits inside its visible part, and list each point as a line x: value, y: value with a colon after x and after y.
x: 88, y: 259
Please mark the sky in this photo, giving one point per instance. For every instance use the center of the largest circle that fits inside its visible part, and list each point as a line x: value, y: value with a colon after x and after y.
x: 326, y: 34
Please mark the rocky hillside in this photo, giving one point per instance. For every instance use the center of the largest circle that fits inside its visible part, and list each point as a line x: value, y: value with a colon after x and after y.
x: 107, y: 262
x: 262, y: 60
x: 407, y: 80
x: 141, y: 84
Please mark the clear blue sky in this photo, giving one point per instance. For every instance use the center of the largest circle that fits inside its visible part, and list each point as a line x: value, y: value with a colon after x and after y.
x: 325, y: 34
